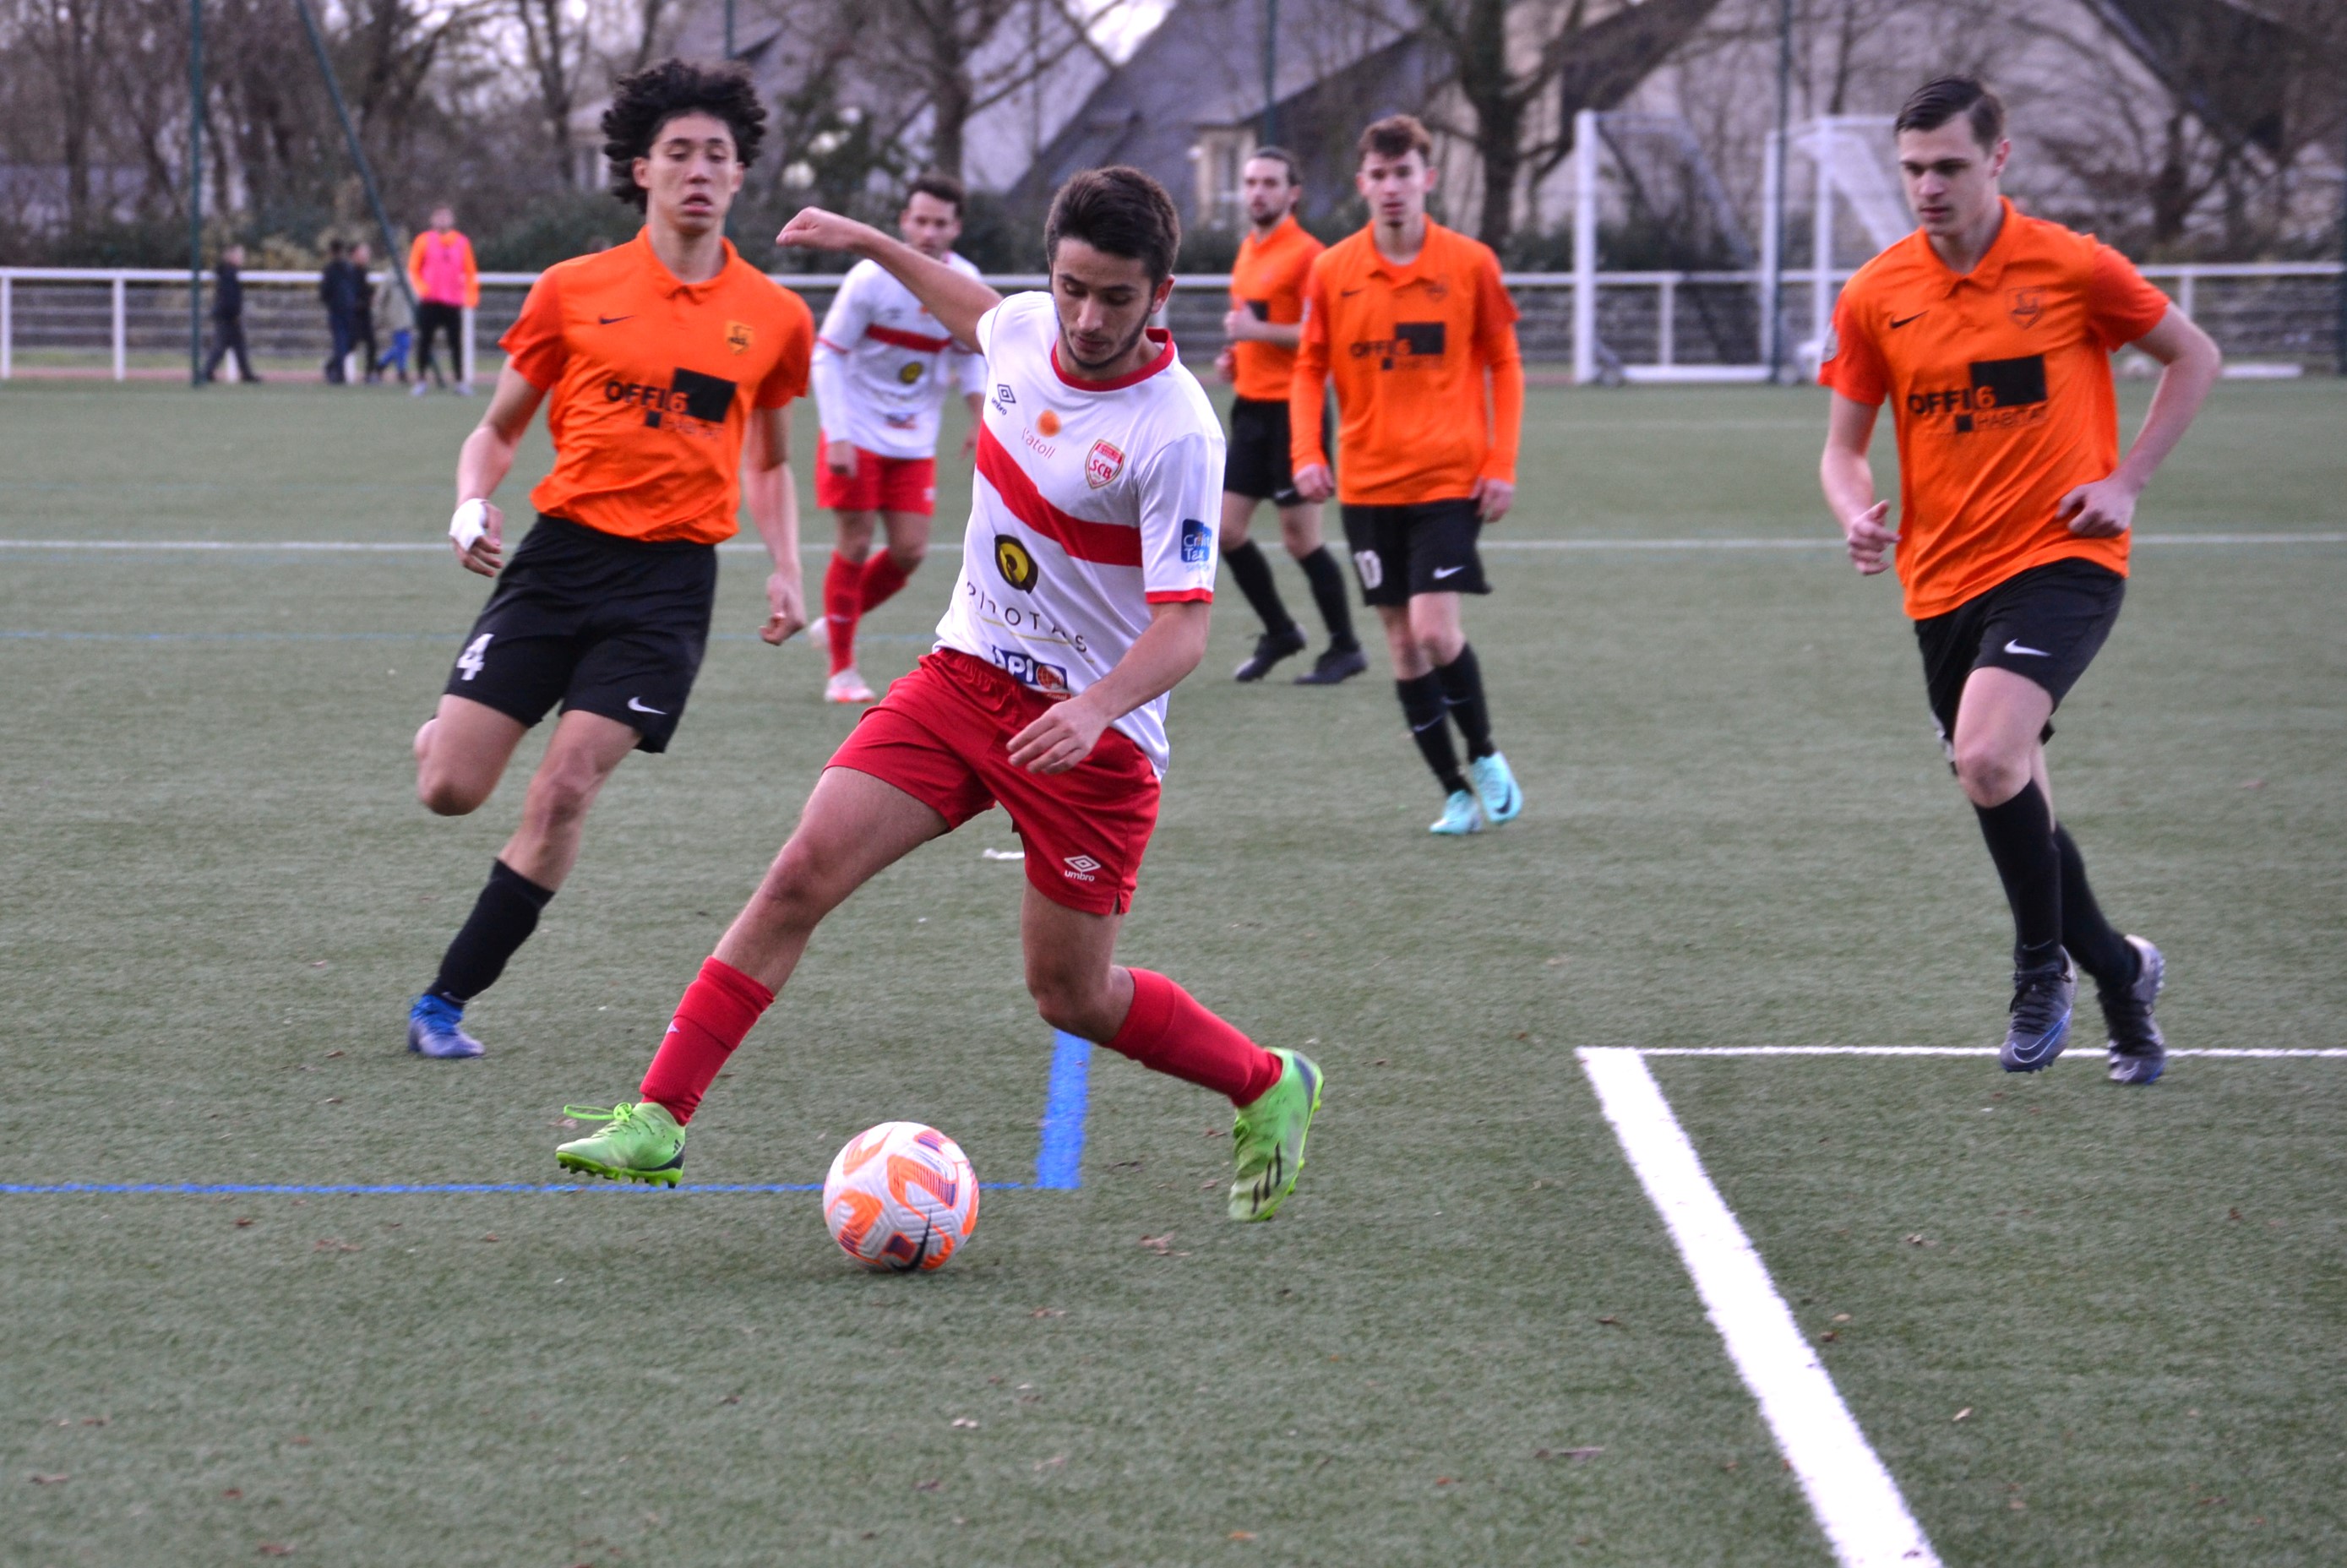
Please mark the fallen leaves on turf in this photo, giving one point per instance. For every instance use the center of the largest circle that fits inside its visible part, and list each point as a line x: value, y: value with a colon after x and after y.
x: 1966, y: 1412
x: 334, y: 1243
x: 244, y: 1222
x: 927, y: 1485
x: 1049, y: 1312
x: 1243, y: 1535
x: 1159, y: 1244
x: 966, y: 1422
x: 1054, y: 1462
x: 38, y: 1479
x: 1919, y: 1239
x: 275, y: 1549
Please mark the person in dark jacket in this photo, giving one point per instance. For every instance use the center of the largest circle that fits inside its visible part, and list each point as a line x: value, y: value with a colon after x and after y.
x: 363, y: 315
x: 228, y: 316
x: 341, y: 289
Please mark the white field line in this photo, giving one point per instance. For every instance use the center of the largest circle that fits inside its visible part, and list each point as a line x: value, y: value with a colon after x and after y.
x: 434, y: 546
x: 1859, y: 1506
x: 2096, y: 1057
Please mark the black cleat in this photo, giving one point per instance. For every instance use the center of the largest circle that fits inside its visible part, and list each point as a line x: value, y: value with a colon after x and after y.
x: 1335, y: 666
x: 2138, y: 1053
x: 1269, y: 650
x: 2042, y: 1003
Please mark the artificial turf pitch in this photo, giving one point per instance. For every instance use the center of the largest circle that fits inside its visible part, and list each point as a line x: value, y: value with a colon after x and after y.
x: 1466, y: 1339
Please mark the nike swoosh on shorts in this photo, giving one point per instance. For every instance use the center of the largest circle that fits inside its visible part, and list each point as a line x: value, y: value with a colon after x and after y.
x: 2013, y: 646
x: 635, y: 705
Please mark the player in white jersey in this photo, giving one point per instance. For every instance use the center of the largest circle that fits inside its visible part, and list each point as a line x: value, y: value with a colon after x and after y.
x: 1087, y: 578
x: 883, y: 370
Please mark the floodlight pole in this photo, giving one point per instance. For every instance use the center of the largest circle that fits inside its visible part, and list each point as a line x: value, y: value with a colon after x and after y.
x: 2342, y: 329
x: 1775, y: 281
x: 196, y: 194
x: 391, y: 256
x: 729, y: 29
x: 1271, y: 73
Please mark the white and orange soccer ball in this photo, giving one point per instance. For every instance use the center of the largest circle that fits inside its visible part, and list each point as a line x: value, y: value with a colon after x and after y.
x: 900, y: 1196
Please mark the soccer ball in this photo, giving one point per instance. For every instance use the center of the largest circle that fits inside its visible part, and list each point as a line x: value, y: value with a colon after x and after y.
x: 900, y: 1196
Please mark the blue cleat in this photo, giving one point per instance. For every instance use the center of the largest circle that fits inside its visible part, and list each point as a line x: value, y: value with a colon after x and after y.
x: 435, y: 1028
x: 2042, y: 1003
x: 1460, y: 814
x: 1495, y: 788
x: 2138, y: 1052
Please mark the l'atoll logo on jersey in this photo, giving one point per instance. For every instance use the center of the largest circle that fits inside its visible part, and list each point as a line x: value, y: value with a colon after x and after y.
x: 738, y: 336
x: 1016, y: 564
x: 1194, y: 546
x: 1102, y: 464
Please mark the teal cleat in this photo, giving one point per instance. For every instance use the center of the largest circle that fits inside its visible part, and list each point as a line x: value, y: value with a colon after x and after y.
x: 641, y: 1144
x: 1495, y: 788
x: 1460, y: 814
x: 1267, y: 1138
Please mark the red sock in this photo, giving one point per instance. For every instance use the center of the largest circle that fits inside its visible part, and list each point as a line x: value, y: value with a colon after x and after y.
x: 882, y: 578
x: 843, y: 605
x: 1167, y: 1031
x: 717, y: 1010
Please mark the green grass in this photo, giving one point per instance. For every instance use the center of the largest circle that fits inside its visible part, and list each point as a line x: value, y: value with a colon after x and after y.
x: 219, y: 894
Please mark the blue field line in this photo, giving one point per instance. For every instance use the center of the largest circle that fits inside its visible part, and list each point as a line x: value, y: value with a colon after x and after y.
x: 1059, y: 1158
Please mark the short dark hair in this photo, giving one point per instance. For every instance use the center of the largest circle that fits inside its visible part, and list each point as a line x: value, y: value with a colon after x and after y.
x: 944, y: 186
x: 1120, y: 210
x: 1279, y: 154
x: 1396, y: 136
x: 337, y: 246
x: 1943, y: 98
x: 643, y: 101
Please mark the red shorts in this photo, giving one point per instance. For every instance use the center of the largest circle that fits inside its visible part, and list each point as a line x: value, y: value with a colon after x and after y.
x: 942, y: 735
x: 878, y: 484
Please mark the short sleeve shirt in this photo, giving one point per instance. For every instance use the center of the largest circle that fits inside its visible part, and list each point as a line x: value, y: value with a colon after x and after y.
x: 1408, y: 348
x: 649, y: 386
x: 896, y: 364
x: 1268, y: 280
x: 2000, y: 388
x: 1093, y: 501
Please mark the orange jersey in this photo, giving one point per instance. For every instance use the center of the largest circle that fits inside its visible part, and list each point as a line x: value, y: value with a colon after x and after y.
x: 2000, y: 388
x: 1408, y: 347
x: 650, y: 385
x: 1268, y: 280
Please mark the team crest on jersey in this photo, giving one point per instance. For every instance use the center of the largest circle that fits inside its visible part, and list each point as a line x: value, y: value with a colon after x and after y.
x: 737, y: 337
x: 2026, y: 305
x: 1438, y: 287
x: 911, y: 372
x: 1102, y: 464
x: 1013, y: 559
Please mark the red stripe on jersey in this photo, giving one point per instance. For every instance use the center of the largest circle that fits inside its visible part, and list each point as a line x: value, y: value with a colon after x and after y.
x: 913, y: 341
x: 1181, y: 596
x: 1109, y: 544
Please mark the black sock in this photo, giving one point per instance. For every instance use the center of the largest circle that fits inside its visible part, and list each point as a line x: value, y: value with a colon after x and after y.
x: 1254, y: 574
x: 502, y: 917
x: 2019, y: 835
x: 1462, y: 689
x: 2097, y: 944
x: 1328, y: 581
x: 1422, y: 708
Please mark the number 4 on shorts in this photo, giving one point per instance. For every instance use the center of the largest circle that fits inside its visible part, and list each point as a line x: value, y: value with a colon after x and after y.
x: 475, y: 654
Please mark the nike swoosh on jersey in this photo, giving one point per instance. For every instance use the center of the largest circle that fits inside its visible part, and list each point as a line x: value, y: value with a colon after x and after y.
x: 2013, y: 646
x: 608, y: 321
x: 635, y: 705
x: 1898, y: 321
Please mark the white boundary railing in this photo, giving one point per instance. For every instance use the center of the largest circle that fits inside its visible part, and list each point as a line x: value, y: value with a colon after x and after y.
x: 1584, y: 338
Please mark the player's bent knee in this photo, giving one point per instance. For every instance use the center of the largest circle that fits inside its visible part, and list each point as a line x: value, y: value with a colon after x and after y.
x: 1987, y: 776
x: 445, y: 796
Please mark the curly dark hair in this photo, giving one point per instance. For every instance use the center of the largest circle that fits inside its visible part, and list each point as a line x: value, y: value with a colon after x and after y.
x: 643, y: 101
x: 1118, y: 209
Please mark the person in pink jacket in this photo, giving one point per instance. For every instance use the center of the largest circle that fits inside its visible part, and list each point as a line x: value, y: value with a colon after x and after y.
x: 447, y: 285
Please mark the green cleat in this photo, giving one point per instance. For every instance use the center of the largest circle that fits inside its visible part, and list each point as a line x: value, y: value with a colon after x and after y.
x: 1460, y: 816
x: 1267, y: 1138
x: 642, y: 1144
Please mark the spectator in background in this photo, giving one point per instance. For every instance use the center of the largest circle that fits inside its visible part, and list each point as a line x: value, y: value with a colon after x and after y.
x: 363, y: 315
x: 228, y: 316
x: 341, y: 287
x: 447, y: 285
x: 398, y: 318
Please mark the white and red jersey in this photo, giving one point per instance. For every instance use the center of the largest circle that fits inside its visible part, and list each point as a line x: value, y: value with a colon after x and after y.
x: 1093, y: 501
x: 884, y: 366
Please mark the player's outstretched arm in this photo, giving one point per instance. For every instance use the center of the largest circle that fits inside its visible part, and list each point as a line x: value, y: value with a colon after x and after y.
x: 1849, y: 482
x: 1166, y: 651
x: 774, y: 512
x: 2191, y: 364
x: 956, y: 299
x: 482, y: 465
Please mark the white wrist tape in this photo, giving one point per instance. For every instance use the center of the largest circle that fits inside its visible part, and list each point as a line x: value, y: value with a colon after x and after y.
x: 470, y: 523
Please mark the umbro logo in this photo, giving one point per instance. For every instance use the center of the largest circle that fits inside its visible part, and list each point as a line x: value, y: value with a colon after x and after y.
x: 1002, y: 393
x: 1081, y: 868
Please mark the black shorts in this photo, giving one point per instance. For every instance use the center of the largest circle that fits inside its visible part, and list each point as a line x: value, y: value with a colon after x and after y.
x: 599, y: 624
x: 1256, y: 463
x: 2046, y: 624
x: 1427, y: 547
